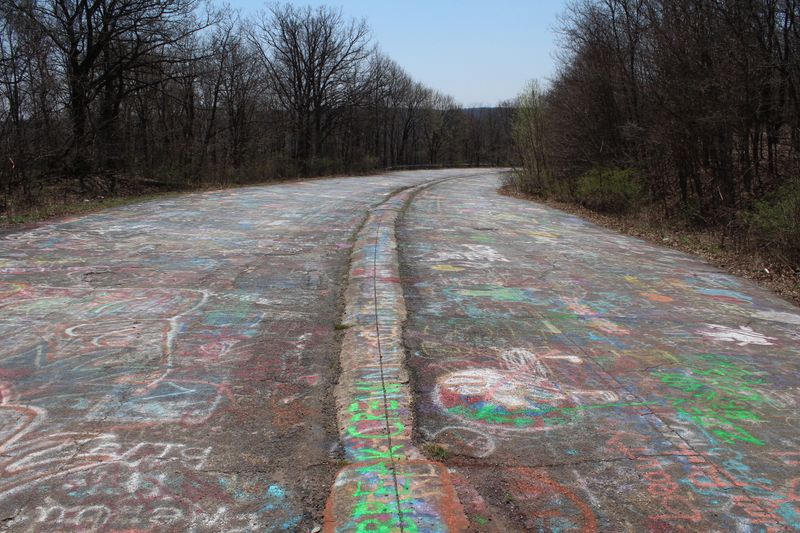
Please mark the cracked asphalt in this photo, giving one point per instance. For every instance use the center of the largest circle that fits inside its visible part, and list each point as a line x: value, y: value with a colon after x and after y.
x: 170, y: 366
x: 575, y: 379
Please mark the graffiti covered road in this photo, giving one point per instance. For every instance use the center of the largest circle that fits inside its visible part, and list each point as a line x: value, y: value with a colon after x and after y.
x: 574, y: 379
x: 170, y: 365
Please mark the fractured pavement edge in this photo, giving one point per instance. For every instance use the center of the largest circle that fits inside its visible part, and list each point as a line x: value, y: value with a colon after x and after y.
x: 388, y: 485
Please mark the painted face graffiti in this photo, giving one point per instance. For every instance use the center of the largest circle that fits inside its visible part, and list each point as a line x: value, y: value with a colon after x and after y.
x: 498, y: 397
x: 519, y: 397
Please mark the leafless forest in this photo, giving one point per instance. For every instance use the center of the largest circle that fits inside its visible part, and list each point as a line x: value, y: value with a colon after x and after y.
x: 687, y: 107
x: 101, y: 97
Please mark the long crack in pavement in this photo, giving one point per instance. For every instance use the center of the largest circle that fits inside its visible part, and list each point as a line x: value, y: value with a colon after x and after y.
x: 172, y: 366
x: 388, y: 486
x: 169, y: 365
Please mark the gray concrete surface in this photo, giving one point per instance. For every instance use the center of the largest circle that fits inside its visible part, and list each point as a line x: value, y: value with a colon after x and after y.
x: 575, y: 379
x: 168, y: 366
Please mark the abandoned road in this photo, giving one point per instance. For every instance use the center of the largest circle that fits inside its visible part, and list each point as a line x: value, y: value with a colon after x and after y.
x: 407, y: 352
x: 575, y: 379
x: 170, y: 365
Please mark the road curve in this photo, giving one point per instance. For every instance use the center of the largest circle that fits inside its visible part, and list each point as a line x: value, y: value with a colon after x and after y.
x: 575, y: 379
x: 169, y: 365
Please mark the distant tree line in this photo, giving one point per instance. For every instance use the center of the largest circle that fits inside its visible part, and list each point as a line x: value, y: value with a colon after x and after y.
x: 98, y: 94
x: 688, y: 106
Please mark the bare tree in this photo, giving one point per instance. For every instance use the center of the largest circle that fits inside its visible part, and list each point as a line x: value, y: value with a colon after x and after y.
x: 127, y: 95
x: 99, y: 43
x: 530, y: 139
x: 691, y: 105
x: 315, y: 61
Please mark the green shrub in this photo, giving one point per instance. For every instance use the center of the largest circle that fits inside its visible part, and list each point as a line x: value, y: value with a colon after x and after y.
x: 611, y: 190
x: 775, y: 222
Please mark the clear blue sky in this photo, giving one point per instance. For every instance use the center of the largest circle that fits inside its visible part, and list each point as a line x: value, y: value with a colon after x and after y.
x: 479, y: 51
